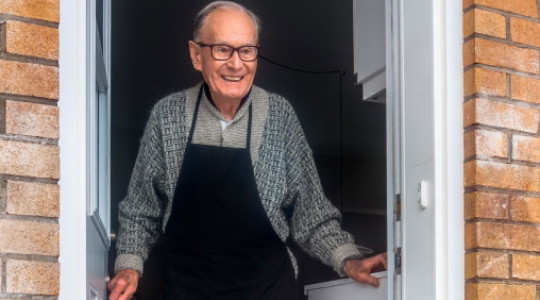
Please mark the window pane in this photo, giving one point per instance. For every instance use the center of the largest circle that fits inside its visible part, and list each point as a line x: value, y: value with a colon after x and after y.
x: 99, y: 20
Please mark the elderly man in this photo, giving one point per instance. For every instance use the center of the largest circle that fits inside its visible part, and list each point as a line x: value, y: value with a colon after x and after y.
x: 218, y: 166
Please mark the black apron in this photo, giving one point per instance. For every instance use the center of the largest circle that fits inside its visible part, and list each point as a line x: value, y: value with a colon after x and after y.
x: 220, y: 243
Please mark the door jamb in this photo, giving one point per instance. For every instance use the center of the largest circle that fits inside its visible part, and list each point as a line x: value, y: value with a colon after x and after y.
x: 73, y: 148
x: 449, y: 160
x: 449, y: 222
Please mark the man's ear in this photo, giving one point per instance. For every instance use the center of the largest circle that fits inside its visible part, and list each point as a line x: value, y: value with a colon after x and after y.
x: 195, y: 51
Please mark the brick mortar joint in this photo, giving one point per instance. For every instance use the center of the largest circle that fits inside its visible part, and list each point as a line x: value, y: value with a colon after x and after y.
x: 29, y: 99
x: 27, y: 296
x: 42, y: 141
x: 3, y: 196
x: 489, y: 189
x: 505, y: 161
x: 3, y: 36
x: 2, y: 116
x: 29, y: 257
x: 509, y: 281
x: 39, y: 22
x: 504, y: 222
x: 505, y: 100
x: 27, y: 179
x: 3, y: 274
x: 26, y: 218
x: 503, y: 12
x: 29, y: 59
x: 501, y: 70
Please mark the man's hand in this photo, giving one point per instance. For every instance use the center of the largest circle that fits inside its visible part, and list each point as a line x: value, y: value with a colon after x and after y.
x: 123, y: 285
x: 360, y: 270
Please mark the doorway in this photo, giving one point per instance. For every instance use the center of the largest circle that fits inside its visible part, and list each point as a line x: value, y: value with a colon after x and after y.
x: 150, y: 60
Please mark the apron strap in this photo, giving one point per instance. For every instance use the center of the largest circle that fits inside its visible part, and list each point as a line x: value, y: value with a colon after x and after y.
x: 248, y: 143
x: 196, y: 113
x: 194, y: 121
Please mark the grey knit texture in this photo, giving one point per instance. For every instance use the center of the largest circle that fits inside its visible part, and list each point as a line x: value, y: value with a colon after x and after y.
x: 283, y: 165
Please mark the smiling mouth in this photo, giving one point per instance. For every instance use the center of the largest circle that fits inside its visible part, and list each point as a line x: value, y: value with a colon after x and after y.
x: 232, y: 78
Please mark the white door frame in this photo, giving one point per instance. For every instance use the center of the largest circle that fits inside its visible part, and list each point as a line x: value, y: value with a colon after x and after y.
x: 449, y: 191
x: 73, y: 148
x: 448, y: 161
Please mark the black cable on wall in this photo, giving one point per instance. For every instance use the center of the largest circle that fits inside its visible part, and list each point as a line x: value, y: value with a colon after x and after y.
x: 341, y: 74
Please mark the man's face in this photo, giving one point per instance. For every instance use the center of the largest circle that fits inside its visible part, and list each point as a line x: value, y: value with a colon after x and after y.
x: 230, y: 79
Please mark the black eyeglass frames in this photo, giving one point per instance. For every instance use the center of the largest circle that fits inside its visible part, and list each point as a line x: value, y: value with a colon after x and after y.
x: 225, y: 52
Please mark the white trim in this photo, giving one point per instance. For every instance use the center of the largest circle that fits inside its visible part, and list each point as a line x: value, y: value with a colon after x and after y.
x: 448, y: 82
x: 72, y: 142
x: 454, y: 145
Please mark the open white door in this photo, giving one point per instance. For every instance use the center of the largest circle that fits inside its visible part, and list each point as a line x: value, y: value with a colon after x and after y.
x: 415, y: 72
x: 98, y: 160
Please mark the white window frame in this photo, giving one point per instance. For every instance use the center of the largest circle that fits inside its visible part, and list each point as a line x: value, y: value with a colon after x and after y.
x: 77, y: 85
x: 99, y: 123
x: 74, y: 149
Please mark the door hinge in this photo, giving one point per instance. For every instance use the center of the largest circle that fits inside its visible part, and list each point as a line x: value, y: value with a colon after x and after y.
x: 397, y: 261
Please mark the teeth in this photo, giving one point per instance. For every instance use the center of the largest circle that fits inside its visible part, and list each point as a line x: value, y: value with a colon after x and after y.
x: 232, y: 78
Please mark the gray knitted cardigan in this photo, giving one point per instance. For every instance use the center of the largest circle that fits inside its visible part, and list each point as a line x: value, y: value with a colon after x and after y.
x: 283, y: 165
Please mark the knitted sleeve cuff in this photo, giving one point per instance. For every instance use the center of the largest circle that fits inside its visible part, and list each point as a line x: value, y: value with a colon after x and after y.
x: 129, y: 261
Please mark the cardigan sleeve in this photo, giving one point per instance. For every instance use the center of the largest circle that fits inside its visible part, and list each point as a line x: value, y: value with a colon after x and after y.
x: 315, y: 222
x: 141, y: 211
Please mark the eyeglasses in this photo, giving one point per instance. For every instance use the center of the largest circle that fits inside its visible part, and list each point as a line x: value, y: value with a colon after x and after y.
x: 224, y: 52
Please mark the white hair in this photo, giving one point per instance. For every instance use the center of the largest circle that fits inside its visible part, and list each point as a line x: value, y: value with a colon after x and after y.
x: 203, y: 14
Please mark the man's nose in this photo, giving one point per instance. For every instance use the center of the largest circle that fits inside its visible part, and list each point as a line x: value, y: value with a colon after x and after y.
x: 235, y: 62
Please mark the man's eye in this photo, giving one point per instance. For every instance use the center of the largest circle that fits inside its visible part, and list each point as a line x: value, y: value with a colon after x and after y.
x: 222, y: 49
x: 247, y: 51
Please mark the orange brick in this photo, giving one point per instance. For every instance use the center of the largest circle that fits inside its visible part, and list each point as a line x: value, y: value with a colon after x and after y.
x: 28, y: 79
x: 31, y: 119
x: 26, y: 159
x: 33, y: 199
x: 31, y: 40
x: 483, y: 81
x: 468, y: 23
x: 32, y: 277
x: 48, y: 10
x: 502, y: 175
x: 526, y: 267
x: 470, y: 236
x: 484, y: 22
x: 524, y: 88
x: 502, y: 236
x: 503, y: 55
x: 486, y: 265
x: 28, y: 237
x: 486, y: 205
x: 525, y: 209
x: 499, y: 291
x: 525, y: 31
x: 467, y: 3
x: 520, y: 7
x: 526, y: 148
x: 468, y: 53
x: 493, y: 113
x: 483, y: 142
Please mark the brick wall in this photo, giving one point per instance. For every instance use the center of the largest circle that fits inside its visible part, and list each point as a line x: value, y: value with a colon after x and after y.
x: 501, y: 55
x: 29, y: 154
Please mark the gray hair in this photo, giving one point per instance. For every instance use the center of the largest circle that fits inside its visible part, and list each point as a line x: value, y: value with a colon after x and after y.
x: 201, y: 17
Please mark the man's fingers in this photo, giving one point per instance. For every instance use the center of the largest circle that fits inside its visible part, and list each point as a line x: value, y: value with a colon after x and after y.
x: 118, y: 289
x: 384, y: 259
x: 366, y: 278
x: 128, y: 292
